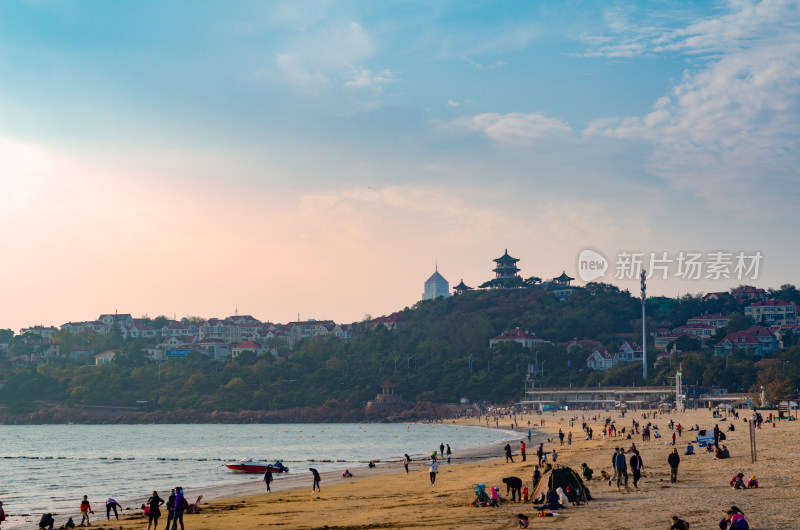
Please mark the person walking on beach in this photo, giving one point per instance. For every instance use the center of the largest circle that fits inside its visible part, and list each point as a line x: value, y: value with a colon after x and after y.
x: 86, y: 509
x: 636, y: 468
x: 561, y: 436
x: 434, y: 468
x: 522, y: 449
x: 170, y: 508
x: 569, y: 438
x: 153, y: 510
x: 180, y: 507
x: 673, y: 460
x: 406, y: 461
x: 509, y: 458
x: 268, y: 479
x: 449, y: 452
x: 317, y: 478
x: 540, y: 452
x: 111, y: 504
x: 621, y: 468
x: 2, y: 513
x: 441, y: 450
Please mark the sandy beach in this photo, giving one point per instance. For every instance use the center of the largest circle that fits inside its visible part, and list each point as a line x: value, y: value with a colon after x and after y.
x: 386, y: 498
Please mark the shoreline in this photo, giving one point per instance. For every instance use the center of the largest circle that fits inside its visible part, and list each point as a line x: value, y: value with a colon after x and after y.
x: 390, y: 499
x: 250, y: 487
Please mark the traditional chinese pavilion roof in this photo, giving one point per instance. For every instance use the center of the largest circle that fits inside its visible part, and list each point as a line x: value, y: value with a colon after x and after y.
x: 505, y: 258
x: 462, y: 287
x: 563, y: 278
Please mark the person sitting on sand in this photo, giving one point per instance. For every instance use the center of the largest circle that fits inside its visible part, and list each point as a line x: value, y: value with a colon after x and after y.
x: 734, y: 520
x: 678, y: 524
x: 562, y: 497
x: 586, y: 471
x: 604, y: 475
x: 523, y: 520
x: 551, y: 502
x: 752, y: 483
x: 70, y: 523
x: 346, y: 473
x: 689, y: 449
x: 737, y: 482
x: 731, y: 427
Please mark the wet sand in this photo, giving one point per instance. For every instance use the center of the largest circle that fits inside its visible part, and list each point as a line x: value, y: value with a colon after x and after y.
x: 386, y: 497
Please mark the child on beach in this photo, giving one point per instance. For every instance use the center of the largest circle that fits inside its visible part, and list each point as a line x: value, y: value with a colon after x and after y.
x: 523, y: 520
x: 86, y: 509
x: 495, y: 497
x: 752, y: 483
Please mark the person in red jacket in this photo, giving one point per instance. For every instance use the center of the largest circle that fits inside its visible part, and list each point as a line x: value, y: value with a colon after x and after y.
x: 86, y: 509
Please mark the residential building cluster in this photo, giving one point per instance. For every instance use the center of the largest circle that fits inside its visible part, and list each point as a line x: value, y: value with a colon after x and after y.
x: 217, y: 338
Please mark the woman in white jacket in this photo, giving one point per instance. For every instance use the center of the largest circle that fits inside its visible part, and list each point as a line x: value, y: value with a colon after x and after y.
x: 434, y: 467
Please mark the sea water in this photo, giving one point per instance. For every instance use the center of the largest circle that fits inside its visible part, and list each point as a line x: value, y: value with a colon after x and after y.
x: 49, y: 468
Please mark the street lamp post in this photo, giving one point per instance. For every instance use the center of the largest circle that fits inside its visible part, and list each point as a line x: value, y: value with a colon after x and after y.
x: 644, y: 329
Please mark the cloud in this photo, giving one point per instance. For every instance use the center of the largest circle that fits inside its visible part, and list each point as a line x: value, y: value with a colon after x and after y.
x: 515, y: 127
x: 365, y: 78
x: 451, y: 103
x: 729, y: 130
x: 331, y: 54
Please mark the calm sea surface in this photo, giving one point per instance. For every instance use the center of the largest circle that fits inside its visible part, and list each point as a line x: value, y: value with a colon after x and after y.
x: 48, y: 468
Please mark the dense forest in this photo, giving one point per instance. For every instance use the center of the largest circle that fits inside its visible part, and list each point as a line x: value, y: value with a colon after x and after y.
x: 439, y: 355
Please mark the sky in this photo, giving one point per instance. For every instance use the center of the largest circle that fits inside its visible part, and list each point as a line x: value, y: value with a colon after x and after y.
x: 320, y: 159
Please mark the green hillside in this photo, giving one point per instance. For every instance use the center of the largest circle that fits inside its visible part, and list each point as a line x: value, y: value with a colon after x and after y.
x: 440, y: 354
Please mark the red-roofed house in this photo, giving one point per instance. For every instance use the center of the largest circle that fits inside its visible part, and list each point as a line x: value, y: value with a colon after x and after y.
x: 756, y: 340
x: 715, y: 320
x: 748, y: 292
x: 772, y: 312
x: 250, y: 345
x: 528, y: 340
x: 701, y: 331
x: 601, y: 359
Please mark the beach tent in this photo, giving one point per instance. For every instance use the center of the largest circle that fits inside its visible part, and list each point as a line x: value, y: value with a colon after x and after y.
x: 561, y: 477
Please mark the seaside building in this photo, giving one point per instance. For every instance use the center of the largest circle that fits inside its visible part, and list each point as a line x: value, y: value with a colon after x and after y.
x: 436, y: 286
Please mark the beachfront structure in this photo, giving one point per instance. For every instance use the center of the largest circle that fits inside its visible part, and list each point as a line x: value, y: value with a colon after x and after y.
x: 436, y: 286
x: 527, y: 340
x: 772, y: 312
x: 618, y: 397
x: 506, y: 266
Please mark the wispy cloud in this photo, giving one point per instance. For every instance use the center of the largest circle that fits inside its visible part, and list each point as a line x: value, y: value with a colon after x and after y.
x: 331, y: 54
x: 364, y: 78
x: 515, y: 127
x: 731, y: 127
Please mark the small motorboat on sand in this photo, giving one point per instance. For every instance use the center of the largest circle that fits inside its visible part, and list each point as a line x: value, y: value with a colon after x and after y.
x: 246, y: 465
